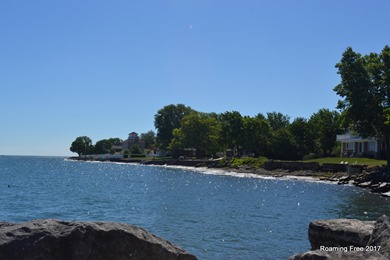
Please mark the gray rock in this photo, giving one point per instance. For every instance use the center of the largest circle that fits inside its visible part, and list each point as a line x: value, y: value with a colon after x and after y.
x: 338, y: 255
x: 340, y: 232
x: 364, y: 184
x: 386, y: 194
x: 54, y: 239
x: 347, y: 239
x: 381, y: 236
x: 344, y: 180
x: 381, y: 188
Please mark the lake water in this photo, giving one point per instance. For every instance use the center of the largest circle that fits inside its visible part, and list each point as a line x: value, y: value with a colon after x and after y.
x: 211, y: 214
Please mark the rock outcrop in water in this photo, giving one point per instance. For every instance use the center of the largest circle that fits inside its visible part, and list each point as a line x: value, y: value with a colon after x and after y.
x: 54, y: 239
x: 348, y: 239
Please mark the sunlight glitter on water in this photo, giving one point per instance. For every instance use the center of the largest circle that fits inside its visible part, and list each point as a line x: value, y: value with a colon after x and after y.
x: 211, y: 213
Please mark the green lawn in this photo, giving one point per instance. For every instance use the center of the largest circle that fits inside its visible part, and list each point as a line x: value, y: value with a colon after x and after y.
x: 368, y: 161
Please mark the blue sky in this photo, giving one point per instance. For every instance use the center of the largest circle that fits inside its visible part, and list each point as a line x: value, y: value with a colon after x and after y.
x: 103, y: 68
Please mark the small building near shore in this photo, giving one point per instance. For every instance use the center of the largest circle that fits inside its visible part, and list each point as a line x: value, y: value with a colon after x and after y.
x: 130, y: 144
x: 356, y: 146
x: 133, y: 141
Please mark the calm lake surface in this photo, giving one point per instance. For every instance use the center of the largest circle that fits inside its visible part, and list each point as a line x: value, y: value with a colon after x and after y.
x: 211, y: 214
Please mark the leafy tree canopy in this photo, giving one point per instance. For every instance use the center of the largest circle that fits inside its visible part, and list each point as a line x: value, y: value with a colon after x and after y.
x: 365, y: 93
x: 283, y: 145
x: 198, y: 130
x: 104, y: 146
x: 277, y: 120
x: 303, y: 135
x: 82, y: 145
x: 325, y: 124
x: 166, y: 120
x: 255, y: 135
x: 149, y: 138
x: 231, y: 129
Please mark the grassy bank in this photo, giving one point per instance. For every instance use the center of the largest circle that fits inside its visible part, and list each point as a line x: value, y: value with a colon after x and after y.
x: 367, y: 161
x: 258, y: 162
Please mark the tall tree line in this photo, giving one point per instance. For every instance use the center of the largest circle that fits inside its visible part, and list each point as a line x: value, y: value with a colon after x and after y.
x: 365, y: 109
x: 83, y: 145
x: 273, y: 135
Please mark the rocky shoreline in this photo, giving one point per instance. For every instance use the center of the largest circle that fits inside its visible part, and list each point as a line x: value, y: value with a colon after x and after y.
x: 376, y: 179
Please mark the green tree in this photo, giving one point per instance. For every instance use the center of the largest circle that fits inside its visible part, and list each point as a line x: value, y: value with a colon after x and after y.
x: 283, y: 145
x: 304, y: 137
x: 167, y: 119
x: 149, y: 138
x: 104, y: 146
x: 135, y: 149
x: 365, y: 93
x: 277, y: 120
x: 198, y: 130
x: 231, y: 134
x: 82, y: 145
x: 325, y: 124
x: 255, y: 135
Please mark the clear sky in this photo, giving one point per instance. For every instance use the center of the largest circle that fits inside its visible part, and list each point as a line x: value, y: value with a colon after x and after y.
x: 103, y: 68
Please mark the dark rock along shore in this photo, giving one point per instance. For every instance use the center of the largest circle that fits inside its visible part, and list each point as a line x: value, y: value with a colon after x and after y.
x: 53, y: 239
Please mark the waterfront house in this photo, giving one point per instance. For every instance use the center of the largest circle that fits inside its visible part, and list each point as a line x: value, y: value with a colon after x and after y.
x: 128, y: 145
x: 356, y: 146
x: 132, y: 141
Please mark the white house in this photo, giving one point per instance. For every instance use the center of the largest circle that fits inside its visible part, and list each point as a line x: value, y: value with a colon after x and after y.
x: 356, y: 146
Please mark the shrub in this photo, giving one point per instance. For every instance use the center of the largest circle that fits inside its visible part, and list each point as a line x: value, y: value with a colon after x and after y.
x: 310, y: 156
x: 248, y: 161
x: 137, y: 155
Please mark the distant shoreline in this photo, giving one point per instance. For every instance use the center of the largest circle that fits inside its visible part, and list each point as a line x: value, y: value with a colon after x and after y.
x: 376, y: 180
x: 212, y: 164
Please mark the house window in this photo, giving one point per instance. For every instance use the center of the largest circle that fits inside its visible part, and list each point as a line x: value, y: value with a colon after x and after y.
x: 372, y: 146
x: 350, y: 146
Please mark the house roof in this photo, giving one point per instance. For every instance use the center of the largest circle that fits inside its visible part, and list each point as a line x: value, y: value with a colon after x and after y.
x: 347, y: 138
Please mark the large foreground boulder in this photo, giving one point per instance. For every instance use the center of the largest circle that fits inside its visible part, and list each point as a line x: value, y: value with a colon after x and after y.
x: 338, y: 255
x: 54, y: 239
x: 348, y: 239
x: 380, y: 238
x: 340, y: 232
